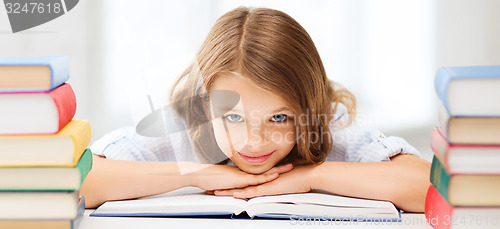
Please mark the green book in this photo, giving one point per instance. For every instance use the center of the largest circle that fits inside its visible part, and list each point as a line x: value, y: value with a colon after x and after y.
x: 46, y: 178
x: 440, y: 179
x: 466, y: 189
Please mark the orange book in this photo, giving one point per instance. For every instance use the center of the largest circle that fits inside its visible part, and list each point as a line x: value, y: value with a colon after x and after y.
x: 61, y: 149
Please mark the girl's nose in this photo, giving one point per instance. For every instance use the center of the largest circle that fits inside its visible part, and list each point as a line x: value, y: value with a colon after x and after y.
x: 256, y: 139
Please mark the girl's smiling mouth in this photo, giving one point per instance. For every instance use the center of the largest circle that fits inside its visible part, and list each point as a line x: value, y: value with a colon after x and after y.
x: 257, y: 158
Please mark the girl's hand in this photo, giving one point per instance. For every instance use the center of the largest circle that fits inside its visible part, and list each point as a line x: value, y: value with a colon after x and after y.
x: 216, y: 177
x: 296, y: 181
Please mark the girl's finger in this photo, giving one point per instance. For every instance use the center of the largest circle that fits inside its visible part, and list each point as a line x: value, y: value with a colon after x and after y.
x: 280, y: 169
x: 260, y: 179
x: 261, y: 190
x: 226, y: 192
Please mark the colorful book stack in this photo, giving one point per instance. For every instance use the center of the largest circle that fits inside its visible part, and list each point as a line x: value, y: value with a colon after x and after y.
x: 43, y: 155
x: 465, y: 174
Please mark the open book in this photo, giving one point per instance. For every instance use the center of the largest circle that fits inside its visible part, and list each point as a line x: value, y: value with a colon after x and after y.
x: 194, y: 202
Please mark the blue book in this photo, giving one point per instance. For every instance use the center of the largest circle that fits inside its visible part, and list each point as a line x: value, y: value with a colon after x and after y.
x: 194, y: 202
x: 33, y: 73
x: 472, y: 91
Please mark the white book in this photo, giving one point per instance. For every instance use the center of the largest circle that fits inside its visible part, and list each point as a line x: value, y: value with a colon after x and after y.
x: 39, y: 205
x: 194, y: 202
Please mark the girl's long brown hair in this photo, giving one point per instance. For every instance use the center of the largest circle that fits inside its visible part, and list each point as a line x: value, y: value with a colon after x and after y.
x: 277, y: 54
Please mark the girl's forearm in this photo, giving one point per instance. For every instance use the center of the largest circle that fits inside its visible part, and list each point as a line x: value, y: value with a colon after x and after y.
x: 116, y: 180
x: 404, y: 180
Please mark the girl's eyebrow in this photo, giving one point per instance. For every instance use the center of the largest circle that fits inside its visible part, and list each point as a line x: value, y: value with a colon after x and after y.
x: 281, y: 109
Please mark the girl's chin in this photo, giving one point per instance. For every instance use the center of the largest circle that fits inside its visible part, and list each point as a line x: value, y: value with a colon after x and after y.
x: 254, y: 169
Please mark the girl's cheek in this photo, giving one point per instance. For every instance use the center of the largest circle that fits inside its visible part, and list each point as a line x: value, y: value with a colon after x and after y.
x: 283, y: 136
x: 232, y: 140
x: 290, y: 138
x: 220, y: 136
x: 238, y: 135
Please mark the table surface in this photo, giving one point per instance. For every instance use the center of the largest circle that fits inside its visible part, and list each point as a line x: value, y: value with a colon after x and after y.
x: 408, y: 220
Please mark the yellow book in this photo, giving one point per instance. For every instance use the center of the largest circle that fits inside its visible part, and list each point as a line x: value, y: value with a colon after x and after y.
x: 61, y: 149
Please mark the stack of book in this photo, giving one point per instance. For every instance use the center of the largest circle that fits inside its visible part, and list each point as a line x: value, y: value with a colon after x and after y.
x: 465, y: 174
x: 43, y: 151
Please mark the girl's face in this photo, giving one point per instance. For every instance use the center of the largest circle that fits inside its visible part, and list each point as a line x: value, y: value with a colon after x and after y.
x: 258, y: 131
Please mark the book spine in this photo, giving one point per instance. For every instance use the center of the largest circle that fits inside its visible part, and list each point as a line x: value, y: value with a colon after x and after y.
x: 80, y: 134
x: 441, y: 84
x: 80, y: 213
x: 440, y: 146
x: 439, y: 177
x: 65, y: 101
x: 85, y: 164
x: 438, y: 211
x: 59, y: 69
x: 444, y: 122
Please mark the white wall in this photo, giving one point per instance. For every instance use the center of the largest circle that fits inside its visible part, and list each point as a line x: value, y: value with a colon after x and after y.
x: 385, y: 51
x: 74, y: 34
x: 384, y: 61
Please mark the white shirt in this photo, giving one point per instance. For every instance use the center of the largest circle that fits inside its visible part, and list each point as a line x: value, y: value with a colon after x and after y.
x: 351, y: 143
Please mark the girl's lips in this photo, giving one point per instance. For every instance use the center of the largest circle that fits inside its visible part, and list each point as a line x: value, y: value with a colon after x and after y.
x: 256, y: 159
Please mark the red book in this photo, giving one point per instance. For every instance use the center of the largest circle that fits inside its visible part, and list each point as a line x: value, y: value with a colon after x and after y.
x: 465, y: 158
x: 441, y: 215
x: 37, y: 112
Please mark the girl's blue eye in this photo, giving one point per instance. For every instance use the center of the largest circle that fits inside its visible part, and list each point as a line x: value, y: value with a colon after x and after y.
x: 279, y: 118
x: 234, y: 118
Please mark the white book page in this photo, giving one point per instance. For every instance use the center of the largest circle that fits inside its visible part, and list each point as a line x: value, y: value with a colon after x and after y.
x: 474, y: 96
x: 193, y: 200
x: 313, y: 210
x: 185, y: 200
x: 321, y: 204
x: 29, y: 113
x: 322, y: 199
x: 36, y: 150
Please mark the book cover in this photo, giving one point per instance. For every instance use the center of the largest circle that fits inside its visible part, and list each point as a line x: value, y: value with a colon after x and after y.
x: 469, y: 130
x: 46, y: 178
x: 37, y: 113
x: 465, y: 189
x: 441, y: 215
x: 469, y: 90
x: 465, y: 158
x: 47, y: 224
x: 436, y: 208
x: 33, y: 73
x: 63, y: 148
x: 194, y: 202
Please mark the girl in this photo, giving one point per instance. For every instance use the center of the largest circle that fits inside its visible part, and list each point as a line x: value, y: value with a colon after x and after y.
x: 263, y: 119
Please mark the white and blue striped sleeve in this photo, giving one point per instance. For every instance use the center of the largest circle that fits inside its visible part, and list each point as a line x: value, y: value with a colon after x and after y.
x: 126, y: 144
x: 354, y: 143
